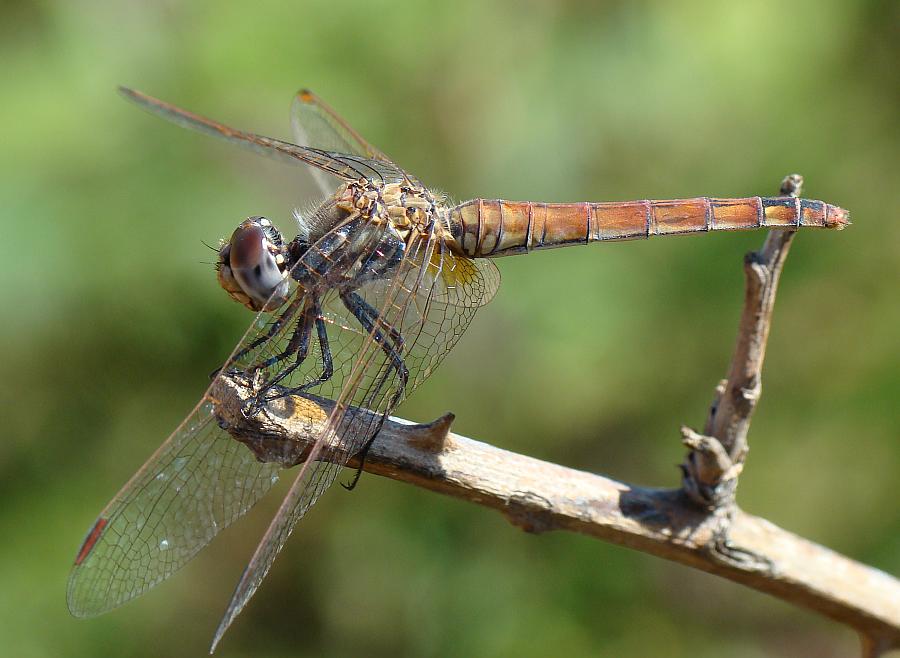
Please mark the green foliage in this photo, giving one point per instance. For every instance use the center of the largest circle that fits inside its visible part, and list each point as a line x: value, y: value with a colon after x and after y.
x: 589, y: 357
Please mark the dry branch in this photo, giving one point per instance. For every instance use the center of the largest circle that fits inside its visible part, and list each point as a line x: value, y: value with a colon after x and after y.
x: 699, y: 525
x: 538, y: 496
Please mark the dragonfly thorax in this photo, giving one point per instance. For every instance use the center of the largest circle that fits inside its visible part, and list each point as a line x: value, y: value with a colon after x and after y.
x: 251, y: 266
x: 408, y: 209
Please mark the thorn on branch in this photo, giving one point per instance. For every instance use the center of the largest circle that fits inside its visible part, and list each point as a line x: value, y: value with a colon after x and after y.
x: 432, y: 436
x: 520, y: 512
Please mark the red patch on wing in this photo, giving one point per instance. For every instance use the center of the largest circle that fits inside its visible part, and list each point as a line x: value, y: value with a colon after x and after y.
x: 90, y: 540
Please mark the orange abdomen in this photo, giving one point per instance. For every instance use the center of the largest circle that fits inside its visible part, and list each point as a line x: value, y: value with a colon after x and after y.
x: 488, y: 228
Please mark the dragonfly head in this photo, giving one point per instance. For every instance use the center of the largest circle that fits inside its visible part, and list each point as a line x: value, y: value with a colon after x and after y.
x: 252, y: 267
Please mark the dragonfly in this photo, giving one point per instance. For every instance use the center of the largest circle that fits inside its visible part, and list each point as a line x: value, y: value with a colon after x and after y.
x: 359, y: 308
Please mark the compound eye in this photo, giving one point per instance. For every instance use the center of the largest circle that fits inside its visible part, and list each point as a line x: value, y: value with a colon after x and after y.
x: 256, y: 264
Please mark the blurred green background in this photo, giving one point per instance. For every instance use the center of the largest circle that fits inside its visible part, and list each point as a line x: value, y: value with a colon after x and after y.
x: 590, y: 357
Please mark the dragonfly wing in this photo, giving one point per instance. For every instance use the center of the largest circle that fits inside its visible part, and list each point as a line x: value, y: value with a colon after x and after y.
x: 309, y: 128
x: 310, y: 484
x: 314, y: 123
x: 417, y: 304
x: 198, y: 482
x: 342, y: 166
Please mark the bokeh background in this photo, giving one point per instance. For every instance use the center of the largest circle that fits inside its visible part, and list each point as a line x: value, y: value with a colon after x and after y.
x: 590, y: 357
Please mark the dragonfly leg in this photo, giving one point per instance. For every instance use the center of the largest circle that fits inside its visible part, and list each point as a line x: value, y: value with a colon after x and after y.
x: 325, y: 349
x: 365, y: 449
x: 297, y: 346
x: 274, y: 328
x: 395, y: 335
x: 362, y: 460
x: 373, y: 324
x: 369, y: 318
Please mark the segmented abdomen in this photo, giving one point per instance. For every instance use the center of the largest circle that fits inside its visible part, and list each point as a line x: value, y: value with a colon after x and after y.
x: 496, y: 227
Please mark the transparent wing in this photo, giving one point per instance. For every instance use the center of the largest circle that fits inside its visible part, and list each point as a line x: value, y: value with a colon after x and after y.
x: 343, y: 166
x: 314, y: 123
x: 419, y: 313
x: 198, y: 482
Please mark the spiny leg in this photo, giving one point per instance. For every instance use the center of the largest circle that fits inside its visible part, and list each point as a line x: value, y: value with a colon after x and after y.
x: 363, y: 453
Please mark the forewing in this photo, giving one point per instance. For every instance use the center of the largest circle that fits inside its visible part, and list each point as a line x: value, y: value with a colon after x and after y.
x: 344, y: 166
x: 314, y: 123
x: 367, y: 385
x: 198, y: 482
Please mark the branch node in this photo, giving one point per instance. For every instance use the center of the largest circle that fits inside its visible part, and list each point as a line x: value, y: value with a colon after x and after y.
x: 792, y: 185
x: 752, y: 391
x: 709, y: 475
x: 711, y: 461
x: 527, y: 510
x: 725, y: 551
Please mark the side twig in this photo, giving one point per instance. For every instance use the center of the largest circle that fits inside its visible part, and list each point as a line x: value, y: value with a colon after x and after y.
x: 716, y: 458
x: 729, y: 417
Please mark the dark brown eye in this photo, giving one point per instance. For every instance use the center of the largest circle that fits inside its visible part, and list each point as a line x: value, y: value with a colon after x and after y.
x: 251, y: 265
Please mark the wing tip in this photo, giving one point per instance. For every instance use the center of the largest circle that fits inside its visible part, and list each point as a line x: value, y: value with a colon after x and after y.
x: 139, y: 98
x: 78, y: 606
x: 230, y: 614
x: 78, y: 611
x: 128, y: 92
